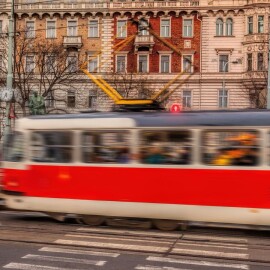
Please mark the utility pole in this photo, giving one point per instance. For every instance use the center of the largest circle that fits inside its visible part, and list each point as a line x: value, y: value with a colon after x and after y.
x: 10, y: 63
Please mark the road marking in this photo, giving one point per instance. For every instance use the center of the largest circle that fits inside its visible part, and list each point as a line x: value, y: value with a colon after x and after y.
x: 210, y: 253
x: 215, y: 238
x: 24, y: 266
x: 127, y: 232
x: 201, y: 263
x: 111, y: 245
x: 81, y: 252
x: 117, y: 238
x: 210, y: 245
x: 63, y: 259
x: 151, y: 267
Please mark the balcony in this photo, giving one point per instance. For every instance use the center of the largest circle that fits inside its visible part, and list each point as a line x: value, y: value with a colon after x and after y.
x: 144, y: 41
x: 255, y: 38
x: 115, y: 4
x: 72, y: 42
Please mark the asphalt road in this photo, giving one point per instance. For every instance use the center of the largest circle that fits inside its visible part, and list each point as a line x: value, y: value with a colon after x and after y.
x: 34, y: 241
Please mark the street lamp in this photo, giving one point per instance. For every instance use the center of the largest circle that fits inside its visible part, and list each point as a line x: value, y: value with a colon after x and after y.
x: 224, y: 71
x: 268, y: 78
x: 10, y: 64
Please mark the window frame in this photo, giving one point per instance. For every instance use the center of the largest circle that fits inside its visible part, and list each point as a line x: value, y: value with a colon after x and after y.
x: 117, y: 69
x: 190, y: 70
x: 27, y: 70
x: 72, y: 146
x: 71, y: 93
x: 120, y: 32
x: 229, y: 27
x: 51, y: 30
x: 147, y: 63
x: 186, y: 34
x: 72, y: 67
x: 223, y: 98
x: 96, y: 27
x: 249, y: 61
x: 260, y: 145
x: 104, y: 131
x: 93, y: 57
x: 250, y: 25
x: 185, y: 99
x: 30, y: 33
x: 260, y: 64
x: 166, y: 28
x: 91, y: 96
x: 161, y: 66
x: 219, y: 27
x: 191, y: 146
x: 72, y: 31
x: 226, y: 65
x: 260, y: 24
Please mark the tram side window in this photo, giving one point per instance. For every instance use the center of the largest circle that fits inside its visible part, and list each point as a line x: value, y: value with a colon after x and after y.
x: 231, y: 148
x: 51, y: 146
x: 166, y: 147
x: 106, y: 147
x: 13, y: 147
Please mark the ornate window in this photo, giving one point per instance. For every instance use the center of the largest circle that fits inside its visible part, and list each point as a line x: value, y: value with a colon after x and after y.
x: 250, y: 25
x: 260, y: 64
x: 229, y: 27
x: 219, y: 27
x: 223, y: 63
x: 260, y: 23
x: 249, y: 62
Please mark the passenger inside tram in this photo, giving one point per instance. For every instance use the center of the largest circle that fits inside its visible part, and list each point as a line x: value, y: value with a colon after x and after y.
x: 240, y: 150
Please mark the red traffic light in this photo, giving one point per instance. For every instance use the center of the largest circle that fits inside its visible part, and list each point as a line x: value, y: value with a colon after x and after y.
x: 175, y: 108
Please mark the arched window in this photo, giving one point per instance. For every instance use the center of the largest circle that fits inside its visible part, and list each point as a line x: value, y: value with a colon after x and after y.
x: 229, y: 27
x: 219, y: 27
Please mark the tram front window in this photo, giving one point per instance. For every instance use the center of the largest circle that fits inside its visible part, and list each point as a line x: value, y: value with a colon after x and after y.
x: 13, y: 147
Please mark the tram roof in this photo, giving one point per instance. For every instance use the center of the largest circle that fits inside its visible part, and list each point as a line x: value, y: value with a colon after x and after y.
x: 166, y: 119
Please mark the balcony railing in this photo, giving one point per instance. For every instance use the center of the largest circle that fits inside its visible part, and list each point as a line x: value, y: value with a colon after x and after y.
x: 255, y: 38
x: 144, y: 41
x: 109, y: 5
x: 72, y: 41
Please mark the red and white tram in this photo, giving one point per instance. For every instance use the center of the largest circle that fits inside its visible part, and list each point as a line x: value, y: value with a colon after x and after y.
x: 195, y: 166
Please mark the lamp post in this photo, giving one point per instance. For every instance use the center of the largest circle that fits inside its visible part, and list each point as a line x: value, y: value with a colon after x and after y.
x: 224, y: 71
x: 268, y: 77
x: 10, y: 63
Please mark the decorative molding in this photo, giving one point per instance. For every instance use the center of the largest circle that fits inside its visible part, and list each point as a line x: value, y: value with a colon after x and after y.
x: 230, y: 50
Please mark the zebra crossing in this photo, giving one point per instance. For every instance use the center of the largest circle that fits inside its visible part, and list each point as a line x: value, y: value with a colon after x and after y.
x: 105, y: 249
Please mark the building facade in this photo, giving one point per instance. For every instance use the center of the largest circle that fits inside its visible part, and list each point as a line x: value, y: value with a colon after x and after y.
x: 220, y: 48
